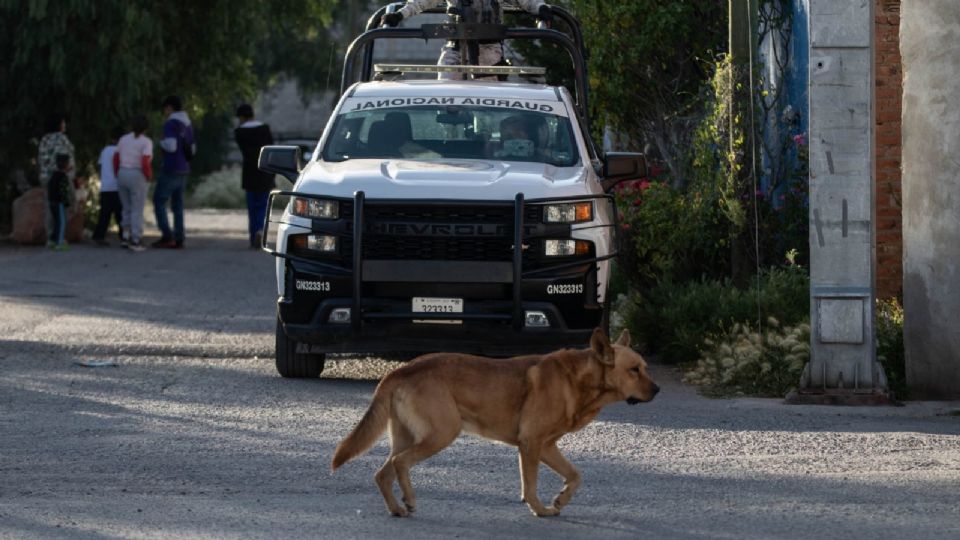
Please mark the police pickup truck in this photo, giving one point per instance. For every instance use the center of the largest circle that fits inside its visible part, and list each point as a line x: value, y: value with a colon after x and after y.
x: 443, y: 215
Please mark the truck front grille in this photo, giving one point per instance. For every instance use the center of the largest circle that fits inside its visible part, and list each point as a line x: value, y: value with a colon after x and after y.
x: 448, y: 233
x: 382, y: 247
x: 445, y: 233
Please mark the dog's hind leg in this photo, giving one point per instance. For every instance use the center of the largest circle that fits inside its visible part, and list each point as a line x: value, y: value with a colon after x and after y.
x: 400, y: 440
x: 571, y: 477
x: 384, y: 478
x: 435, y: 432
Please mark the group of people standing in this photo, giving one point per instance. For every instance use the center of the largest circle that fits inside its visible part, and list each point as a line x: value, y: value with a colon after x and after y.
x: 126, y: 167
x: 130, y: 169
x: 126, y: 170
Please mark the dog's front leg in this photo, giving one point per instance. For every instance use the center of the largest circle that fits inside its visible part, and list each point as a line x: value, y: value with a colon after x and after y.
x: 571, y: 477
x: 529, y: 468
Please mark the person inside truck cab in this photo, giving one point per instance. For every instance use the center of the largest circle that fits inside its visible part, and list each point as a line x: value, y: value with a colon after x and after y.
x: 518, y: 140
x: 482, y: 11
x: 392, y: 137
x: 540, y: 132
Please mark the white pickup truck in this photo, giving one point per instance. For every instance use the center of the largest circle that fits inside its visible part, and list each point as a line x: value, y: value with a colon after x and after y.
x: 444, y: 215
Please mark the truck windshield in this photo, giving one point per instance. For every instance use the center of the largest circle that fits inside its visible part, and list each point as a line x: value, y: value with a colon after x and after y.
x: 452, y: 128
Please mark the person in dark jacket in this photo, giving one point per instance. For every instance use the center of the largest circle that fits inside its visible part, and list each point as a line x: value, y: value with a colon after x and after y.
x: 252, y: 135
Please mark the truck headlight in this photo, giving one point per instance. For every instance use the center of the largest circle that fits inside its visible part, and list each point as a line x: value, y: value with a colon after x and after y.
x: 322, y: 243
x: 315, y: 208
x: 577, y: 212
x: 565, y: 248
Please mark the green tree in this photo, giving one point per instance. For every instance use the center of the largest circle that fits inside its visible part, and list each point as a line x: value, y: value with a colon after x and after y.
x: 649, y: 60
x: 102, y: 61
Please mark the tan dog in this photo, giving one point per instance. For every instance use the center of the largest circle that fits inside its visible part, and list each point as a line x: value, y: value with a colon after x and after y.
x: 527, y: 401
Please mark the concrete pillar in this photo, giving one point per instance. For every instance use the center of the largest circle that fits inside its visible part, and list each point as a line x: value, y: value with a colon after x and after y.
x: 842, y: 365
x: 930, y: 46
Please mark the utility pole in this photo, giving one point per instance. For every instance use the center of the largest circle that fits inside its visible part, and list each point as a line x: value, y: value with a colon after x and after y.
x: 843, y: 367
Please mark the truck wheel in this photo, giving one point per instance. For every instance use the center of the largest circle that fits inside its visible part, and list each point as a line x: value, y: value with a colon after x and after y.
x: 293, y: 364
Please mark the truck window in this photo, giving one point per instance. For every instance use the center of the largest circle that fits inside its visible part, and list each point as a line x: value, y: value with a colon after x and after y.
x: 526, y: 132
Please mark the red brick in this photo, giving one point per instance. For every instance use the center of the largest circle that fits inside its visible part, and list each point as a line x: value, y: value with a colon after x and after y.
x: 889, y: 162
x: 887, y: 70
x: 888, y: 140
x: 889, y: 152
x: 891, y: 114
x: 892, y: 140
x: 889, y: 93
x: 887, y: 103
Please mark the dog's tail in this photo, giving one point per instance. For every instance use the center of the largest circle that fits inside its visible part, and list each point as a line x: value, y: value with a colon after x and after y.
x: 373, y: 423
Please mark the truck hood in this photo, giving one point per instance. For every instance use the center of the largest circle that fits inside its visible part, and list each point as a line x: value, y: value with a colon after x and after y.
x: 444, y: 179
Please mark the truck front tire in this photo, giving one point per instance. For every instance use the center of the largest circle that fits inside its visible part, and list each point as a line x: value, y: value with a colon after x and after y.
x: 293, y: 364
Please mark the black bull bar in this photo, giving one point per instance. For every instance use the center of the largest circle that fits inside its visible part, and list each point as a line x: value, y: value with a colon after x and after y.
x: 357, y: 232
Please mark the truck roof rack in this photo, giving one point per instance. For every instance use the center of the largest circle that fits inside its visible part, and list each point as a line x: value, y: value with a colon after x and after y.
x: 390, y: 69
x: 363, y: 45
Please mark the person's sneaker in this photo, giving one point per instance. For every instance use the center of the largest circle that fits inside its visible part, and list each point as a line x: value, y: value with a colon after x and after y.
x: 136, y: 246
x: 178, y: 244
x: 101, y: 242
x: 163, y: 244
x: 61, y: 247
x: 51, y: 244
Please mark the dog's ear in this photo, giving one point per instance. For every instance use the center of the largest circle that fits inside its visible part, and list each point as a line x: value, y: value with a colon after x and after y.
x: 624, y: 338
x: 601, y: 346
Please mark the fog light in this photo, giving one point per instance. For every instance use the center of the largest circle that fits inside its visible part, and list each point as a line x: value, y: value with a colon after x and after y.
x: 565, y: 248
x: 322, y: 242
x: 340, y: 315
x: 536, y: 319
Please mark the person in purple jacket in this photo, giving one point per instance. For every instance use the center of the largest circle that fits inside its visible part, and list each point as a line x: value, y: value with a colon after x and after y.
x: 178, y: 145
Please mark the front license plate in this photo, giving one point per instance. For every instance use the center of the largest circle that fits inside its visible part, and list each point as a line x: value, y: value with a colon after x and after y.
x: 422, y: 304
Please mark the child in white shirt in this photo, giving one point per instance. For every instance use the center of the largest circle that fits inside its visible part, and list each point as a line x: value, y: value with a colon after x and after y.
x: 110, y: 205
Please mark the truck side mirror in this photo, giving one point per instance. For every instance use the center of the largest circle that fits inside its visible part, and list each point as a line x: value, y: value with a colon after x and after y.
x: 620, y: 166
x: 282, y: 160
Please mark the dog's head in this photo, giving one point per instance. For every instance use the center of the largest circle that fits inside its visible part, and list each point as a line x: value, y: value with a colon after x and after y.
x: 626, y: 371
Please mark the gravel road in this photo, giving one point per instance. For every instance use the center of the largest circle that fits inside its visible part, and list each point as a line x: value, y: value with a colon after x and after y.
x: 193, y: 434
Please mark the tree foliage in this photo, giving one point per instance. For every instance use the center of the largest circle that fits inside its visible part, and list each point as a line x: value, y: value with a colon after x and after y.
x: 102, y: 61
x: 649, y: 60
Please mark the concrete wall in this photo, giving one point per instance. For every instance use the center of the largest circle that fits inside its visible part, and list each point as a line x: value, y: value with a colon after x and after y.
x: 930, y: 46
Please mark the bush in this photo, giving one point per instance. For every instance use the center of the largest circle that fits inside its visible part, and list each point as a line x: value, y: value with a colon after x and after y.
x: 221, y: 189
x: 670, y: 234
x: 745, y: 362
x: 673, y: 320
x: 890, y: 351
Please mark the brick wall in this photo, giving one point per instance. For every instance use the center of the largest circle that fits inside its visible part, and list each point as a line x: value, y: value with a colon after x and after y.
x: 889, y: 81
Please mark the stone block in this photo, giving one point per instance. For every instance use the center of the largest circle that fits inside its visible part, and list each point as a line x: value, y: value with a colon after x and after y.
x: 29, y: 215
